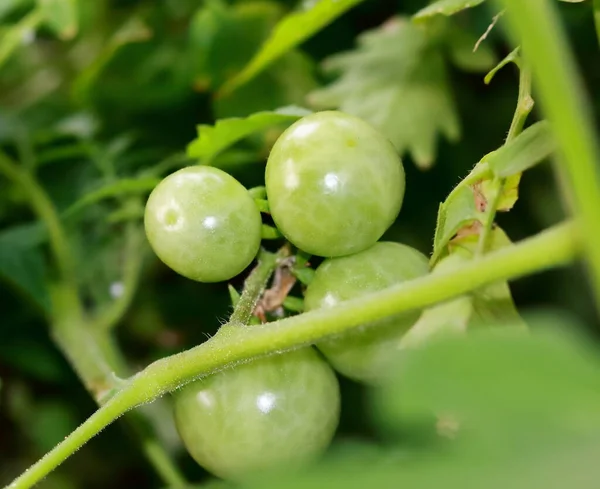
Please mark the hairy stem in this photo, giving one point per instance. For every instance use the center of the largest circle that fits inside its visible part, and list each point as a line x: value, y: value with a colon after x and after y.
x: 522, y: 111
x: 254, y: 287
x: 77, y: 342
x: 524, y: 102
x: 90, y: 351
x: 232, y: 345
x: 490, y: 215
x: 536, y: 25
x: 46, y: 212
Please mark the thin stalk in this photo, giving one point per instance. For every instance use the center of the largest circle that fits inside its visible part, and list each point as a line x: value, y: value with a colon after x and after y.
x: 535, y: 25
x: 524, y: 102
x: 77, y: 342
x: 490, y: 216
x: 555, y: 247
x: 46, y: 212
x: 254, y: 287
x: 91, y: 352
x: 522, y: 111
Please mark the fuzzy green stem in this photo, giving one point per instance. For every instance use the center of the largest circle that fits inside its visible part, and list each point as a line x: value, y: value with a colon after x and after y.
x: 536, y: 26
x: 77, y: 342
x: 232, y: 345
x: 142, y: 431
x: 522, y: 111
x: 46, y: 212
x: 253, y: 288
x: 490, y: 216
x: 524, y: 102
x: 90, y: 351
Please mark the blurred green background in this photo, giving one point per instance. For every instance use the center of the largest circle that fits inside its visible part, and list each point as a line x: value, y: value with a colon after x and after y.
x: 121, y: 96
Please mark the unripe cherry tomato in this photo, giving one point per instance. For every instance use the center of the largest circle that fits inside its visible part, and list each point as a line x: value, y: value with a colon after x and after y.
x: 275, y: 411
x: 334, y: 183
x: 202, y: 223
x: 362, y: 353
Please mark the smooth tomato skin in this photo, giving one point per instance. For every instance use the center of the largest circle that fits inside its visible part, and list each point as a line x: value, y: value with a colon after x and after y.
x: 334, y: 183
x: 362, y: 354
x: 275, y: 411
x: 202, y: 223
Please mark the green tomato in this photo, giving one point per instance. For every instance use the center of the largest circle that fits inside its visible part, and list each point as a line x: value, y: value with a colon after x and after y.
x: 334, y: 183
x: 362, y: 353
x: 202, y: 223
x: 276, y: 411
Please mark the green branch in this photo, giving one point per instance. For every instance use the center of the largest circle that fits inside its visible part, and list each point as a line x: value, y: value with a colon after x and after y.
x: 232, y: 345
x: 536, y: 26
x: 46, y: 212
x: 253, y: 288
x: 524, y: 102
x: 524, y: 107
x: 90, y: 351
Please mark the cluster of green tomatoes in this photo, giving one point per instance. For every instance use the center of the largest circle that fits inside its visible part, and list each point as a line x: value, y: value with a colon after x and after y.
x: 334, y: 186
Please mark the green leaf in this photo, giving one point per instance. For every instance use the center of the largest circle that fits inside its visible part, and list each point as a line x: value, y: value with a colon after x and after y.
x: 288, y: 34
x: 396, y: 79
x: 212, y: 140
x: 503, y: 389
x: 448, y: 318
x: 458, y: 211
x: 492, y: 304
x: 513, y: 57
x: 234, y: 295
x: 61, y: 16
x: 22, y: 262
x: 133, y: 30
x: 489, y: 306
x: 9, y: 6
x: 125, y: 186
x: 446, y: 7
x: 293, y: 304
x: 451, y: 7
x: 223, y: 40
x: 466, y: 204
x: 533, y: 145
x: 18, y: 34
x: 286, y: 82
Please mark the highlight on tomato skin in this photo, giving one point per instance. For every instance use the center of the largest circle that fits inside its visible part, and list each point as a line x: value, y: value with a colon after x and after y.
x: 362, y: 354
x: 203, y: 223
x: 334, y: 184
x: 277, y: 411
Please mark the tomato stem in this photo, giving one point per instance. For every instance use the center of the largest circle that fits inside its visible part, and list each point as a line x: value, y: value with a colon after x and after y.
x: 254, y: 286
x: 90, y: 351
x: 536, y: 26
x: 524, y: 107
x: 554, y: 247
x: 46, y: 212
